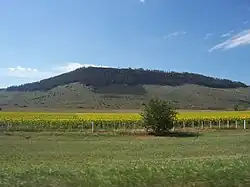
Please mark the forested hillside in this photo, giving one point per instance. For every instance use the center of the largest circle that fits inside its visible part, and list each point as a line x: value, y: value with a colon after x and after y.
x: 102, y: 77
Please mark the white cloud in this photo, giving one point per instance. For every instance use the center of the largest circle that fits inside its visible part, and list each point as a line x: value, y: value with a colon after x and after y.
x: 142, y: 1
x: 68, y: 67
x: 240, y: 39
x: 228, y: 34
x: 20, y: 75
x: 30, y: 73
x: 73, y: 66
x: 20, y: 69
x: 208, y: 35
x: 2, y: 86
x: 174, y: 34
x: 35, y: 74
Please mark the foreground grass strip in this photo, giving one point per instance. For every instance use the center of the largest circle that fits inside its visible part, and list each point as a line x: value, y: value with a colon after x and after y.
x: 213, y: 159
x: 209, y: 172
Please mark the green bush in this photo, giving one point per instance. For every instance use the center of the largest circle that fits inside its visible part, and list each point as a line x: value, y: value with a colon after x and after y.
x: 158, y: 116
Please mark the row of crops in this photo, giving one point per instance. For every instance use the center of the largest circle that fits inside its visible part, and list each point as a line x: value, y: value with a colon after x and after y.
x: 18, y: 121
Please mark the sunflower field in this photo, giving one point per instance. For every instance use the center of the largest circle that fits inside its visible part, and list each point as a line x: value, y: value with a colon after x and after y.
x: 33, y: 121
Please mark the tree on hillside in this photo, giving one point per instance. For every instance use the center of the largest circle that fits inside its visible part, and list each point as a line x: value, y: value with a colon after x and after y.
x: 158, y: 116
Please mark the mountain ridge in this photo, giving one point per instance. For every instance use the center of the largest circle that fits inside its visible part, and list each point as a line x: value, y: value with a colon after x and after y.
x: 125, y: 89
x: 99, y: 77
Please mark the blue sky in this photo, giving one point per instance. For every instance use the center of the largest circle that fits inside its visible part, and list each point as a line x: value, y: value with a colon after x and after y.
x: 43, y: 38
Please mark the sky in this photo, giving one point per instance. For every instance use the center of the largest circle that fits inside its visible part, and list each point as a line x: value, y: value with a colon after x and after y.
x: 44, y: 38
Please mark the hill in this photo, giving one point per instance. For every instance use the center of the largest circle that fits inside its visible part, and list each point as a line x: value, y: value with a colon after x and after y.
x: 102, y: 77
x: 112, y: 89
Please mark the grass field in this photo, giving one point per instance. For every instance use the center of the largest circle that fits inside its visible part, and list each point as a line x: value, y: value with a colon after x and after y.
x: 219, y: 158
x: 55, y: 149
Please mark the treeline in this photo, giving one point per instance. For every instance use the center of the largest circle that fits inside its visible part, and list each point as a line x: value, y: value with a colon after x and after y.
x: 106, y: 76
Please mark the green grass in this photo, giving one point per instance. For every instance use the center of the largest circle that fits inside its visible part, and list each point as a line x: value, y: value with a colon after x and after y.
x: 73, y: 159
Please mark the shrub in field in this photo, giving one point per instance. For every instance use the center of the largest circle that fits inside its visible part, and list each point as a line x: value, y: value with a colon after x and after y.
x: 158, y: 116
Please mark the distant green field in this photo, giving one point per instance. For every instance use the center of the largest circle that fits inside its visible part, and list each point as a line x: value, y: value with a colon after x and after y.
x: 73, y: 159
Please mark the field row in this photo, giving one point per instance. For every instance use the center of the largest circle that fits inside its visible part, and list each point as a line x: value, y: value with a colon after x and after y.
x: 115, y: 121
x: 199, y: 115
